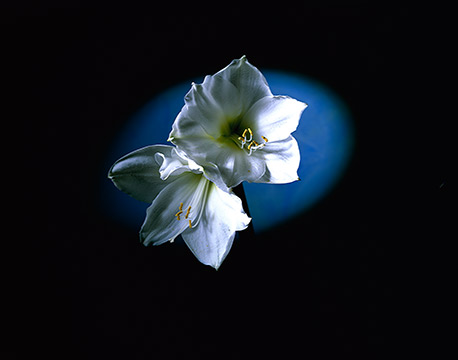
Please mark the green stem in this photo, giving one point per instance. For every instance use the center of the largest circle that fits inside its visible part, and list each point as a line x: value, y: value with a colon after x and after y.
x: 240, y: 192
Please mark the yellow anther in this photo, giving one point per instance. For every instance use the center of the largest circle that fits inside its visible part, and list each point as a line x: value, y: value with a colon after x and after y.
x: 264, y: 138
x: 244, y: 132
x: 178, y: 217
x: 178, y: 214
x: 187, y: 212
x: 251, y: 144
x: 251, y: 132
x: 255, y: 143
x: 240, y: 138
x: 190, y: 226
x: 181, y: 206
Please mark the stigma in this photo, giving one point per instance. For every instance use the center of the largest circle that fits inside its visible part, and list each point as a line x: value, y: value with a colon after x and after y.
x: 252, y: 144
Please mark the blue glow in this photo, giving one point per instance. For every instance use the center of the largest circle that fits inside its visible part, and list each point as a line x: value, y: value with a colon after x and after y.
x: 325, y: 138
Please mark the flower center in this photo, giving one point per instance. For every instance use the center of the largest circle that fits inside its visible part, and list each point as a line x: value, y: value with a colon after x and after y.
x: 252, y: 144
x: 230, y: 137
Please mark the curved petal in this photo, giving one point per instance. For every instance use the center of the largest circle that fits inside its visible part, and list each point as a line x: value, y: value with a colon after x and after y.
x: 175, y: 163
x: 282, y: 160
x: 274, y: 117
x: 137, y: 173
x: 208, y: 108
x: 222, y: 216
x: 214, y: 98
x: 235, y: 166
x: 191, y: 164
x: 249, y: 81
x: 161, y: 223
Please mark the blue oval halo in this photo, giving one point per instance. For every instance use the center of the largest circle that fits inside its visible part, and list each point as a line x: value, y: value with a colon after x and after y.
x: 325, y: 137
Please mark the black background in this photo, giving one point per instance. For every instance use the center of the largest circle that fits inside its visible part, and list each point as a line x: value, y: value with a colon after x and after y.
x: 349, y: 277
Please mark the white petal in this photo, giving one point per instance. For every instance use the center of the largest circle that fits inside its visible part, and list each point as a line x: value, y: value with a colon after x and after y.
x: 161, y: 223
x: 208, y: 107
x: 282, y: 160
x: 215, y: 96
x: 248, y: 80
x: 274, y: 117
x: 235, y: 166
x: 222, y: 216
x: 137, y: 173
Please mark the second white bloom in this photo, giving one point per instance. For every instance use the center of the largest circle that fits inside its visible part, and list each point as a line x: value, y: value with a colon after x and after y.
x: 183, y: 202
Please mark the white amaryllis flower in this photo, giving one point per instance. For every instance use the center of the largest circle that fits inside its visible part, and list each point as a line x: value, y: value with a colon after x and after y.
x: 234, y: 127
x: 183, y: 202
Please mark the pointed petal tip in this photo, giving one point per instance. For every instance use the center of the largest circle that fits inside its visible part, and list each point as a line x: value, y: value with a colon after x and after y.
x: 114, y: 178
x: 171, y: 135
x: 241, y: 61
x: 110, y: 174
x: 217, y: 265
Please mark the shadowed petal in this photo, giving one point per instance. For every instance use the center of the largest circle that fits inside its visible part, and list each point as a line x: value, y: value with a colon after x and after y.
x: 207, y: 108
x: 137, y: 173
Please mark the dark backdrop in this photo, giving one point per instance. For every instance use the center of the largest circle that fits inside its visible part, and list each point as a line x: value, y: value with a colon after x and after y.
x: 336, y: 281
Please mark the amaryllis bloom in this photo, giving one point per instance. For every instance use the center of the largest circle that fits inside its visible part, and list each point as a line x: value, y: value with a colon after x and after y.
x: 183, y: 202
x: 234, y: 127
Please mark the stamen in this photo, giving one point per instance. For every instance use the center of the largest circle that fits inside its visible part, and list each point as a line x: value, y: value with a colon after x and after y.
x: 252, y: 144
x: 190, y: 226
x: 181, y: 206
x: 178, y: 214
x: 251, y: 135
x: 187, y: 212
